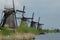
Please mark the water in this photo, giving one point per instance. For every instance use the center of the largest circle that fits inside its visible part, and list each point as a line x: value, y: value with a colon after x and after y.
x: 49, y: 36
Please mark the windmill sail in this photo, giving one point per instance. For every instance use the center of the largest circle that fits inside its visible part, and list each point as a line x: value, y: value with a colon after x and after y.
x: 32, y: 16
x: 15, y: 20
x: 2, y: 22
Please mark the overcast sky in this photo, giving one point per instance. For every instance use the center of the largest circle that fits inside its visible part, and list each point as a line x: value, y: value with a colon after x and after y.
x: 48, y: 10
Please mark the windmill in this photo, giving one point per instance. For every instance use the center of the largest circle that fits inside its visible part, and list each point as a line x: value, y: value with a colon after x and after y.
x: 33, y: 23
x: 7, y: 14
x: 39, y: 25
x: 9, y: 17
x: 23, y: 19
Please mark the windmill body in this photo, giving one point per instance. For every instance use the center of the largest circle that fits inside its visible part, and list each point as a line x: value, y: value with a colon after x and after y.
x: 33, y: 24
x: 8, y: 18
x: 39, y: 25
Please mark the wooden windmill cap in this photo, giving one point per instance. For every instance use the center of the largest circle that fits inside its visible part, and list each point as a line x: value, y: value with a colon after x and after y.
x: 8, y: 10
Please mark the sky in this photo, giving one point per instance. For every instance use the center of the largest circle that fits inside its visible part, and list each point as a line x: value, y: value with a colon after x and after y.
x: 47, y: 10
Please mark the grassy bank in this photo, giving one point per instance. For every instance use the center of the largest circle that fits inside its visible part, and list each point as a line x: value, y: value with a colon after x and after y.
x: 22, y: 30
x: 20, y: 33
x: 47, y: 31
x: 19, y: 30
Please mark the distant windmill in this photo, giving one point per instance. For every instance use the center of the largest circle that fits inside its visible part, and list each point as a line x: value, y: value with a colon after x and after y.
x: 23, y: 11
x: 33, y: 23
x: 39, y: 25
x: 23, y: 19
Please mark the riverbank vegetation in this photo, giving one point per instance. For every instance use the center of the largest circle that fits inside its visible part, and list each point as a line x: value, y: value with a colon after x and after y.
x: 24, y: 29
x: 22, y: 33
x: 19, y: 30
x: 47, y: 31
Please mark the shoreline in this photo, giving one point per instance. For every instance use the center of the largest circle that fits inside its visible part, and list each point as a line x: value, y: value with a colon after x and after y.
x: 25, y: 36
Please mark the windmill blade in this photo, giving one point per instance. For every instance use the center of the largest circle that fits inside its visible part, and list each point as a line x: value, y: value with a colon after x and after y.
x: 8, y: 8
x: 23, y: 8
x: 23, y: 11
x: 33, y: 15
x: 13, y: 6
x: 41, y: 24
x: 18, y: 18
x: 39, y: 20
x: 1, y: 21
x: 28, y: 18
x: 14, y: 13
x: 20, y: 11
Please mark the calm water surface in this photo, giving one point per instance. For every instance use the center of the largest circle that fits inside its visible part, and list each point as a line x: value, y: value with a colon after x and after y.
x: 49, y: 36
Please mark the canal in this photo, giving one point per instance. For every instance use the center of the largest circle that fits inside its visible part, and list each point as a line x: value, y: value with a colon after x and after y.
x: 49, y: 36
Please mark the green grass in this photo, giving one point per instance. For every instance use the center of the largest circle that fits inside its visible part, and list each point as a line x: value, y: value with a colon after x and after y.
x: 24, y: 29
x: 47, y: 31
x: 7, y: 32
x: 27, y: 30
